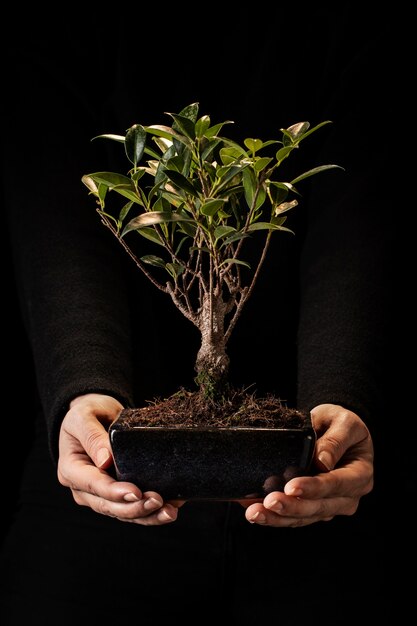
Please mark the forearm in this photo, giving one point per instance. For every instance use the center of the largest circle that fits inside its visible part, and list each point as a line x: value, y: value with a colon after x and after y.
x: 69, y: 271
x: 343, y: 315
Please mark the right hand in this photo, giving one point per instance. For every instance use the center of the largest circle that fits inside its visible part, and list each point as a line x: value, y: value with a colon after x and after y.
x: 84, y: 456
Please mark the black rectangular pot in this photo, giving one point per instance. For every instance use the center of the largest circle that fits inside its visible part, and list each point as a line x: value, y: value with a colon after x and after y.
x: 210, y: 463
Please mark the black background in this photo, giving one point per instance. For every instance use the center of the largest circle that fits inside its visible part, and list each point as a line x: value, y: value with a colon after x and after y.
x: 386, y: 512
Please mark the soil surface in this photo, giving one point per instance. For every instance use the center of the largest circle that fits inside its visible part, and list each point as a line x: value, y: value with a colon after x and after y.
x: 239, y: 409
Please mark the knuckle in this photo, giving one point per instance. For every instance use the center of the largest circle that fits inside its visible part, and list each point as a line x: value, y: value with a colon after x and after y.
x: 77, y: 497
x: 351, y: 507
x: 369, y: 486
x: 102, y: 506
x: 61, y: 479
x: 93, y: 440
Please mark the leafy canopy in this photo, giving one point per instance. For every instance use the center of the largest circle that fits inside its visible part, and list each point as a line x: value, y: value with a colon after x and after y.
x: 199, y: 196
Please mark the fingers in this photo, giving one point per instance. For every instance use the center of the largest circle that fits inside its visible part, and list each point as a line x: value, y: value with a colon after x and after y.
x: 94, y: 488
x: 352, y: 480
x: 286, y: 515
x: 344, y: 450
x: 281, y: 510
x: 85, y: 453
x: 87, y: 422
x: 338, y: 431
x: 146, y: 511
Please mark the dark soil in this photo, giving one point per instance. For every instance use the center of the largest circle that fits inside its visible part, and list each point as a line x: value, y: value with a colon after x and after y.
x: 239, y: 409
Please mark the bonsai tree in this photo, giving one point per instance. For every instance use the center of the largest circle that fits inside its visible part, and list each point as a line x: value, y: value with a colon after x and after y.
x: 200, y: 197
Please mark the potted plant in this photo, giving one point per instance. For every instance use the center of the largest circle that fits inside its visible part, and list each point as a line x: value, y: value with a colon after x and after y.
x: 201, y: 198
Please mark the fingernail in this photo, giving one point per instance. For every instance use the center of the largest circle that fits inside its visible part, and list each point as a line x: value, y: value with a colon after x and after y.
x: 258, y: 517
x: 103, y: 455
x: 294, y: 491
x: 131, y: 497
x: 326, y: 460
x: 275, y: 505
x: 151, y: 504
x: 164, y: 516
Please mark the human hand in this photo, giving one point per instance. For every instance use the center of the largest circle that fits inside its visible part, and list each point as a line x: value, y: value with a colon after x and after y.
x: 84, y: 457
x: 344, y: 457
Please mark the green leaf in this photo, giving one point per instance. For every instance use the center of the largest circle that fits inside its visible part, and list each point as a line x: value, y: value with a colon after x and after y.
x: 183, y: 125
x: 138, y: 173
x: 270, y: 142
x: 175, y: 163
x: 175, y: 269
x: 102, y: 192
x: 119, y: 138
x: 223, y: 214
x: 214, y: 130
x: 151, y: 259
x: 162, y: 204
x: 210, y: 207
x: 266, y: 226
x: 190, y: 111
x: 90, y: 183
x: 209, y: 148
x: 283, y: 207
x: 167, y: 132
x: 234, y: 261
x: 261, y: 163
x: 281, y: 188
x: 189, y: 228
x: 278, y: 192
x: 151, y: 152
x: 222, y: 231
x: 110, y: 217
x: 163, y: 144
x: 237, y: 236
x: 296, y: 130
x: 279, y: 220
x: 181, y: 242
x: 182, y: 182
x: 202, y: 125
x: 260, y: 198
x: 283, y: 153
x: 229, y: 155
x: 253, y: 144
x: 152, y: 218
x: 249, y: 185
x: 233, y: 144
x: 313, y: 130
x: 129, y: 192
x: 135, y: 143
x: 314, y: 171
x: 116, y: 182
x: 174, y: 199
x: 111, y: 179
x: 125, y: 210
x: 151, y: 234
x: 228, y: 173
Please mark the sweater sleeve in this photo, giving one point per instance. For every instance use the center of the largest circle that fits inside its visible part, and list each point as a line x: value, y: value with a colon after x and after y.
x: 347, y: 260
x: 69, y: 270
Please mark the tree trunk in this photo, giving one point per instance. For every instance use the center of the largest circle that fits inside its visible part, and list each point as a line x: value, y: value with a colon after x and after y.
x: 212, y: 363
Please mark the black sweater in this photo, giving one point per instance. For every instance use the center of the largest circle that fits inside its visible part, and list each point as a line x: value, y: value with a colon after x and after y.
x: 315, y: 330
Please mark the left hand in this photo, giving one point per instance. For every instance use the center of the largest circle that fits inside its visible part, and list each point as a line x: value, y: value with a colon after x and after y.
x: 344, y: 455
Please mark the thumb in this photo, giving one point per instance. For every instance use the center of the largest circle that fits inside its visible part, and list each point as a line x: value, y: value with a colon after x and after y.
x: 95, y: 440
x: 98, y: 445
x: 332, y: 442
x: 87, y: 421
x: 324, y: 460
x: 104, y: 458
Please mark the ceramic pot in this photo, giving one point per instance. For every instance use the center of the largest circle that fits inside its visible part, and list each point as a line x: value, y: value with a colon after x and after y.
x: 210, y: 463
